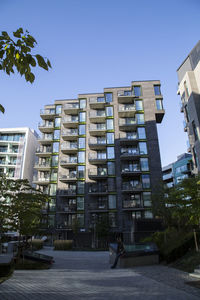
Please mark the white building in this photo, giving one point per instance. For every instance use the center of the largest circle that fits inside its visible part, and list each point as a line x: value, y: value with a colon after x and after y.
x: 17, y: 152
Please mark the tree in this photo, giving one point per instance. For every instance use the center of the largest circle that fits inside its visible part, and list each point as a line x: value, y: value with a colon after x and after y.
x: 16, y: 53
x: 20, y: 206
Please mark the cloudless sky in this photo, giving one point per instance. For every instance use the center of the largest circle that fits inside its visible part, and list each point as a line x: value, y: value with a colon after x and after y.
x: 93, y: 44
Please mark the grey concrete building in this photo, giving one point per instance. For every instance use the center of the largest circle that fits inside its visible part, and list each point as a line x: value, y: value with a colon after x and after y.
x: 189, y: 90
x: 99, y: 157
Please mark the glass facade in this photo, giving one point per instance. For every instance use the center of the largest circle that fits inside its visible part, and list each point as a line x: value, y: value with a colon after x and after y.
x: 81, y: 129
x: 157, y: 90
x: 137, y: 91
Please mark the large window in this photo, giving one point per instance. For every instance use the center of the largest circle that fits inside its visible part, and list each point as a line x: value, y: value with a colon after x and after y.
x: 108, y: 97
x: 138, y: 105
x: 81, y: 157
x: 82, y: 116
x: 143, y: 148
x: 112, y: 201
x: 81, y: 143
x: 146, y: 181
x: 144, y: 164
x: 110, y: 137
x: 109, y: 111
x: 82, y: 103
x: 80, y: 187
x: 109, y: 124
x: 157, y: 90
x: 141, y: 133
x: 80, y: 219
x: 159, y: 104
x: 80, y: 203
x: 147, y: 199
x: 57, y: 122
x: 81, y: 171
x: 54, y: 160
x: 58, y: 109
x: 56, y: 147
x: 137, y: 91
x: 110, y: 152
x: 54, y: 174
x: 56, y: 135
x: 81, y: 129
x: 140, y: 118
x: 52, y: 190
x: 111, y: 168
x: 195, y: 130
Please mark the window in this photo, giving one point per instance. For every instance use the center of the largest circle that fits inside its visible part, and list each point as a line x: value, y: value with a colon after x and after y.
x: 110, y: 152
x: 111, y: 168
x: 57, y: 122
x: 54, y: 161
x: 81, y: 143
x: 140, y: 118
x: 100, y: 99
x: 112, y: 219
x: 80, y: 187
x: 141, y: 133
x: 82, y: 103
x: 110, y: 137
x: 56, y: 147
x: 139, y: 105
x: 147, y: 199
x: 186, y: 90
x: 137, y: 91
x: 146, y: 181
x: 100, y: 113
x: 109, y: 124
x: 112, y: 201
x: 52, y: 190
x: 81, y: 157
x: 82, y: 116
x: 157, y: 90
x: 143, y: 147
x: 54, y: 174
x: 144, y: 164
x: 195, y: 157
x: 80, y: 219
x: 58, y: 109
x: 80, y: 203
x: 186, y: 113
x: 108, y: 97
x: 148, y: 214
x: 159, y: 104
x: 195, y: 130
x: 132, y: 135
x: 109, y: 111
x: 101, y: 154
x: 81, y: 129
x: 81, y: 171
x: 56, y: 135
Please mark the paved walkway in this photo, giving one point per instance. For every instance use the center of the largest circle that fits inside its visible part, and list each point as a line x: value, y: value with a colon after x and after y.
x: 87, y: 275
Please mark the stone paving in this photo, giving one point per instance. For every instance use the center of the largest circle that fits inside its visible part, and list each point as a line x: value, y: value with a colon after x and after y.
x: 87, y: 275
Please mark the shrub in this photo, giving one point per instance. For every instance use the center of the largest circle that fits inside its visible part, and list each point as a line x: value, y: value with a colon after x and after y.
x: 6, y: 269
x: 63, y: 244
x: 37, y: 244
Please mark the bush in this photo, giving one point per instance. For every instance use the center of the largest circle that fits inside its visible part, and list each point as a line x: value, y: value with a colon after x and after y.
x: 37, y: 244
x: 63, y: 244
x: 6, y: 269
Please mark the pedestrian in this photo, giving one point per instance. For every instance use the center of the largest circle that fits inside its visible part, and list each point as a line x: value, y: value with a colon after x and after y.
x: 120, y: 251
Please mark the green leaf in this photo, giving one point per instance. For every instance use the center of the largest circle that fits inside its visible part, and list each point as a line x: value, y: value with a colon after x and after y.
x: 41, y: 62
x: 2, y: 109
x: 49, y: 64
x: 31, y: 77
x: 33, y: 62
x: 2, y: 53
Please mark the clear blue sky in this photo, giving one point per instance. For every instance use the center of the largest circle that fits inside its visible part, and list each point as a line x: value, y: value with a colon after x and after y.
x: 94, y: 44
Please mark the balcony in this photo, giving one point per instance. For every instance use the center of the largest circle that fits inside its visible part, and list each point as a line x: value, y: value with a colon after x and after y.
x: 68, y: 178
x: 68, y: 148
x: 66, y: 193
x: 135, y: 170
x: 46, y: 128
x: 97, y: 116
x: 95, y: 158
x: 128, y: 140
x: 69, y: 163
x: 97, y: 129
x: 41, y: 180
x: 94, y: 189
x: 127, y: 110
x: 70, y: 135
x: 127, y: 125
x: 69, y: 122
x: 43, y: 166
x: 8, y: 163
x: 130, y: 154
x: 132, y: 204
x: 47, y: 114
x: 97, y: 102
x: 125, y: 96
x: 71, y: 108
x: 103, y: 206
x: 96, y: 144
x: 67, y: 209
x: 128, y: 187
x: 46, y: 139
x: 44, y: 152
x: 168, y: 177
x: 159, y: 113
x: 97, y: 174
x: 185, y: 126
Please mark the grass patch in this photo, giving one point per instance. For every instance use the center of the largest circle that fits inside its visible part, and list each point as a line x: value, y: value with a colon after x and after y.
x: 188, y: 262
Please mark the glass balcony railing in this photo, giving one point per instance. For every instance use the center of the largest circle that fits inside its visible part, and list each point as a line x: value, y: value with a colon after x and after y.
x: 124, y: 93
x: 69, y: 132
x: 47, y: 112
x: 69, y: 146
x: 97, y: 172
x: 132, y: 204
x: 94, y: 141
x: 131, y: 186
x: 97, y: 114
x: 46, y: 125
x: 96, y: 127
x: 96, y: 156
x: 69, y: 106
x: 130, y: 107
x: 124, y: 122
x: 70, y: 120
x: 95, y: 100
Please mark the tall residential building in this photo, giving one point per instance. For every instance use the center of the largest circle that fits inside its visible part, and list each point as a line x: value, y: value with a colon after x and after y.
x: 189, y: 90
x: 177, y: 171
x: 99, y: 156
x: 17, y: 152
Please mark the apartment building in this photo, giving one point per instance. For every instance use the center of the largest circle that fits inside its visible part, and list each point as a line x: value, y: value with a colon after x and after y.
x: 178, y: 170
x: 99, y: 157
x: 189, y: 90
x: 17, y: 152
